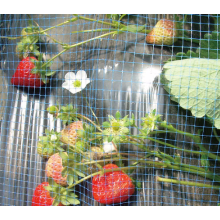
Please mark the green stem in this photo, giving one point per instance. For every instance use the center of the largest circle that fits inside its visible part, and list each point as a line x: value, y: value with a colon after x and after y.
x: 82, y: 116
x: 175, y: 147
x: 88, y: 158
x: 206, y: 174
x: 190, y: 167
x: 91, y: 110
x: 160, y: 179
x: 42, y: 31
x: 96, y: 30
x: 78, y: 44
x: 151, y: 163
x: 177, y: 167
x: 94, y: 38
x: 216, y: 135
x: 195, y: 138
x: 100, y: 22
x: 53, y: 39
x: 122, y: 16
x: 155, y: 153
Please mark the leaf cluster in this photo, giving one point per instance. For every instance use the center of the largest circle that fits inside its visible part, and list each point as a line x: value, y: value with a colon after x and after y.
x: 71, y: 168
x: 67, y: 113
x: 27, y: 44
x: 208, y: 48
x: 61, y: 194
x: 48, y: 144
x: 121, y: 123
x: 42, y: 68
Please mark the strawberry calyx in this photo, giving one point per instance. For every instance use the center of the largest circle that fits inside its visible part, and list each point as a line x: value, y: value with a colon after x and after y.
x: 42, y: 68
x: 49, y: 144
x: 27, y: 45
x: 61, y: 194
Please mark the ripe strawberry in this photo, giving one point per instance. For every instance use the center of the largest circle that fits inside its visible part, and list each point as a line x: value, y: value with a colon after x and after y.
x: 23, y: 75
x: 54, y: 168
x: 112, y: 187
x: 41, y: 196
x: 69, y: 134
x: 165, y: 32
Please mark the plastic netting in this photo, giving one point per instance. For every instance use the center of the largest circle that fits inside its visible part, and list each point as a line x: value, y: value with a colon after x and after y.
x: 125, y: 75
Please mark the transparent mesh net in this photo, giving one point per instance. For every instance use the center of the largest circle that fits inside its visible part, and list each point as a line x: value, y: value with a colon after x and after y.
x: 176, y: 165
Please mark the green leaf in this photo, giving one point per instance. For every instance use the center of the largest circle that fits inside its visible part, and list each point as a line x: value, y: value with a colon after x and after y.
x: 195, y: 85
x: 79, y: 173
x: 73, y: 201
x: 64, y: 172
x: 56, y: 201
x: 110, y: 138
x: 70, y: 179
x: 64, y: 200
x: 50, y: 73
x: 48, y: 188
x: 51, y: 182
x: 106, y: 124
x: 52, y: 109
x: 117, y: 115
x: 63, y: 155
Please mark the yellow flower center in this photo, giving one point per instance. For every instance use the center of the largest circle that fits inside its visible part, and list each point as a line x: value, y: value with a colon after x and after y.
x: 116, y: 126
x: 77, y: 83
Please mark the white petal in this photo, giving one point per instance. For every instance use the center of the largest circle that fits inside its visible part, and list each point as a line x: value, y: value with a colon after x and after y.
x: 70, y: 76
x: 108, y: 147
x: 84, y: 82
x: 53, y: 137
x: 74, y: 90
x: 67, y: 85
x: 81, y: 74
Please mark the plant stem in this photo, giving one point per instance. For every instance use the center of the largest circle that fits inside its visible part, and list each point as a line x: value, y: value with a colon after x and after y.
x: 195, y: 138
x: 175, y: 147
x: 42, y: 31
x: 82, y: 116
x: 216, y: 135
x: 209, y: 175
x: 88, y: 158
x: 100, y: 22
x: 96, y: 30
x: 78, y: 44
x: 160, y: 179
x: 91, y: 110
x: 153, y: 163
x: 94, y: 38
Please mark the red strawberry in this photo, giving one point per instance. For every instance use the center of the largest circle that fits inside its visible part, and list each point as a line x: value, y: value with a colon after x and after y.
x: 165, y: 32
x: 41, y: 196
x: 112, y: 187
x: 54, y: 168
x: 23, y: 75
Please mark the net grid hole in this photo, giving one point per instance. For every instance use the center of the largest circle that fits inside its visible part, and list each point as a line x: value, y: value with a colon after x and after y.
x: 170, y: 155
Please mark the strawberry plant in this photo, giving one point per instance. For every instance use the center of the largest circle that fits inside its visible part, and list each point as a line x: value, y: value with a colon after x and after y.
x: 108, y: 171
x: 85, y: 150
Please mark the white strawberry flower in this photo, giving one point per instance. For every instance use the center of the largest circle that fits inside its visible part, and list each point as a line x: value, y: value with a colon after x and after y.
x: 108, y: 147
x: 76, y: 82
x: 53, y: 137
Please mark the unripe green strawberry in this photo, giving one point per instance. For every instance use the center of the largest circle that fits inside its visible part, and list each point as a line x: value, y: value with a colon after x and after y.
x: 164, y: 33
x: 69, y: 134
x: 54, y: 168
x: 44, y: 152
x: 95, y: 153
